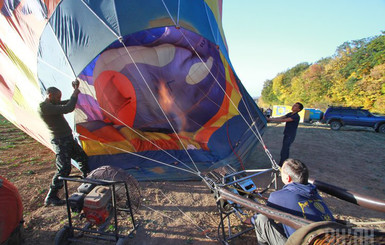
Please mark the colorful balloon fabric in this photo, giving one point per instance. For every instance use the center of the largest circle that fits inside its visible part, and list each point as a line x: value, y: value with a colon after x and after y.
x: 158, y: 93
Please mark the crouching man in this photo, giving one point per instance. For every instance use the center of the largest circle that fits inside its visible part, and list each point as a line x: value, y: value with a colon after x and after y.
x: 297, y: 197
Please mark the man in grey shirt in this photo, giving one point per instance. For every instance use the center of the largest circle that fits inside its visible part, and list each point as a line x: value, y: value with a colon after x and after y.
x: 52, y: 111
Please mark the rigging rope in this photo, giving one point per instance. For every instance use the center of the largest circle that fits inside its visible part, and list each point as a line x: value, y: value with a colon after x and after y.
x: 144, y: 137
x: 160, y: 107
x: 137, y: 132
x: 181, y: 211
x: 191, y: 171
x: 256, y: 132
x: 138, y: 155
x: 162, y: 214
x: 145, y: 81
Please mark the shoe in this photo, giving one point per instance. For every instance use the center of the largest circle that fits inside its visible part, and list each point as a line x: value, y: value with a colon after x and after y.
x: 52, y: 198
x: 53, y: 201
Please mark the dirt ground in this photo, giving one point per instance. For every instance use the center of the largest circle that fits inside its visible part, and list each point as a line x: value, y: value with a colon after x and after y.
x: 186, y: 212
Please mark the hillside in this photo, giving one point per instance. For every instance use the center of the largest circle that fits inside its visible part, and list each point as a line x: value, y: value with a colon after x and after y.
x: 353, y: 76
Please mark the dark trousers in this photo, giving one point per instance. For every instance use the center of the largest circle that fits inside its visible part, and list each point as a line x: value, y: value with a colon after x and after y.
x: 287, y: 141
x: 67, y: 148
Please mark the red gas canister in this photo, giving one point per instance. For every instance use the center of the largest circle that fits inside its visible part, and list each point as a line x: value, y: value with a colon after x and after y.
x: 96, y: 204
x: 11, y: 209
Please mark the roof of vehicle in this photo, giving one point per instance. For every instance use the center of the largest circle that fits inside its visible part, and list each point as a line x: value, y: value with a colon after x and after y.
x: 346, y: 107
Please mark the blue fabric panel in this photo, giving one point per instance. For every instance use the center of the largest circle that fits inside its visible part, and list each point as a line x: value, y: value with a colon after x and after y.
x: 106, y: 11
x: 245, y: 150
x: 133, y: 17
x: 53, y: 68
x: 223, y: 141
x: 81, y: 34
x: 194, y: 14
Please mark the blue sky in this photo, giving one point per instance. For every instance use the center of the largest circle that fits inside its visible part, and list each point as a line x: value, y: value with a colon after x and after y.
x: 266, y: 37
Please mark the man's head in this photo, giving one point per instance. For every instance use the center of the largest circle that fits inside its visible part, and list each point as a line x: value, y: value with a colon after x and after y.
x: 297, y: 107
x: 53, y: 95
x: 294, y: 171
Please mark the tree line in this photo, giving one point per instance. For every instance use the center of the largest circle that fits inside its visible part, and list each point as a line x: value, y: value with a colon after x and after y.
x: 353, y: 76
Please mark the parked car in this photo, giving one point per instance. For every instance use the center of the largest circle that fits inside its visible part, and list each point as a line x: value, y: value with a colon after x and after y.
x: 341, y: 116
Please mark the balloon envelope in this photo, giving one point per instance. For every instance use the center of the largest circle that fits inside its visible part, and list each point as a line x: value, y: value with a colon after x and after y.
x: 158, y: 92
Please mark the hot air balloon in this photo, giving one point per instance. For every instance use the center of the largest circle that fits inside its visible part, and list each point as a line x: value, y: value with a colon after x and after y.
x: 159, y: 96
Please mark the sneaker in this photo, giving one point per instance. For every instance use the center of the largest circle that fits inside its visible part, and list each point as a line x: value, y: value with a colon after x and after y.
x: 54, y: 201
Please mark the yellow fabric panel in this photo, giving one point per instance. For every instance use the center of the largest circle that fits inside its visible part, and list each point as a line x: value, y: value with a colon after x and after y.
x: 94, y: 148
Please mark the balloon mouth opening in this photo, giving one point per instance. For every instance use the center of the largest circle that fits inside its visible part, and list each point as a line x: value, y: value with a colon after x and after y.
x: 158, y: 88
x: 158, y: 82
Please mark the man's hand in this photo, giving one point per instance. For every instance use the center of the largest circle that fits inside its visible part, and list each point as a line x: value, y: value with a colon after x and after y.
x: 76, y: 92
x: 75, y: 84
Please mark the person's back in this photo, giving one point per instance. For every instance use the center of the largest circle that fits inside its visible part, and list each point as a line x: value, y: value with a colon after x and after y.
x: 52, y: 112
x: 297, y: 197
x: 301, y: 200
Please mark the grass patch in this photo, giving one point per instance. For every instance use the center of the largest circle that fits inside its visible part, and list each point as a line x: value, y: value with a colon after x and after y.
x: 11, y: 174
x: 20, y: 138
x: 29, y: 172
x: 10, y: 130
x: 4, y: 122
x: 31, y: 160
x: 8, y: 146
x: 14, y: 165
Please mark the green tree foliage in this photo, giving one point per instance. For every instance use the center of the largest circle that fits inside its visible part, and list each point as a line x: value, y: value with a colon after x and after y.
x: 267, y: 92
x: 353, y: 76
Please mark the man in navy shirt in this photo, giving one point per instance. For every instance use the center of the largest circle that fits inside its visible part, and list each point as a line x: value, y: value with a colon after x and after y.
x: 297, y: 197
x: 292, y: 120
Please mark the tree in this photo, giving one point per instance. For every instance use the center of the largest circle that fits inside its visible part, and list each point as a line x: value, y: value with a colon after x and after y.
x: 354, y: 76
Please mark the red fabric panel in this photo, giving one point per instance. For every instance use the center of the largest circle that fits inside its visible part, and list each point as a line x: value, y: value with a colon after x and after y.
x: 116, y: 95
x: 105, y: 134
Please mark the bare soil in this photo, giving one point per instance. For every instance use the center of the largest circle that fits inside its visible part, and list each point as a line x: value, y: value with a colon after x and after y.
x: 186, y: 212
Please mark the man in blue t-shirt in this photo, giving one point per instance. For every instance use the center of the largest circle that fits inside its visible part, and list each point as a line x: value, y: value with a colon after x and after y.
x: 292, y: 120
x: 297, y: 197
